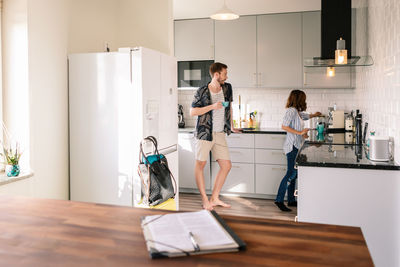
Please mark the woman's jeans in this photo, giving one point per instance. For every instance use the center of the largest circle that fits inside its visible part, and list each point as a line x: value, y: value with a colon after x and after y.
x: 289, y: 180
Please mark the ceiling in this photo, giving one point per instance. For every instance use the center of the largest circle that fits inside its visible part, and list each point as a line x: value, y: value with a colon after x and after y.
x: 190, y: 9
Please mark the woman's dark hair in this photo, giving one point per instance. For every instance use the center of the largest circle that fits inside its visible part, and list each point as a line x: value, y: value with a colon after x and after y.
x: 297, y: 100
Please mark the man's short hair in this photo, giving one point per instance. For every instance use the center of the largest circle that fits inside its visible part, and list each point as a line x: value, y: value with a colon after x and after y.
x: 217, y: 67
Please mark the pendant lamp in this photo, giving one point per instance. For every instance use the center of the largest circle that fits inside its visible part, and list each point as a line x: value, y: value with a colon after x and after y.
x: 224, y: 14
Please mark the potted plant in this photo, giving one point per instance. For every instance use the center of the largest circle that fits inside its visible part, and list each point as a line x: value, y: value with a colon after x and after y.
x: 11, y: 153
x: 12, y: 157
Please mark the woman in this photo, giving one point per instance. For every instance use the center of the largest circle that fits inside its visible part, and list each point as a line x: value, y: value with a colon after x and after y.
x: 294, y: 126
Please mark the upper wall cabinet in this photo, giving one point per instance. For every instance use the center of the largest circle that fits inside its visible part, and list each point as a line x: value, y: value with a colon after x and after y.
x: 315, y: 77
x: 262, y: 51
x: 194, y: 39
x: 279, y: 49
x: 235, y: 45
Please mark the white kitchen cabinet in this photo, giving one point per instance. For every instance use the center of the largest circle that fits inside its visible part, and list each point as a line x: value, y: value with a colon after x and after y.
x: 240, y: 140
x: 268, y: 178
x: 186, y: 151
x: 270, y: 163
x: 236, y: 46
x: 364, y: 198
x: 315, y: 77
x: 270, y: 141
x: 241, y: 155
x: 258, y: 164
x: 270, y: 156
x: 279, y: 51
x: 239, y: 180
x: 194, y: 39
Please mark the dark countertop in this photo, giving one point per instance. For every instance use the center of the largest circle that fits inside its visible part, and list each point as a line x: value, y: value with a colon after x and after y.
x: 339, y: 156
x: 264, y: 131
x: 245, y: 130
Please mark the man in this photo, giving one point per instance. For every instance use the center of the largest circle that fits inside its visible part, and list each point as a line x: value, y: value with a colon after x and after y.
x: 213, y: 122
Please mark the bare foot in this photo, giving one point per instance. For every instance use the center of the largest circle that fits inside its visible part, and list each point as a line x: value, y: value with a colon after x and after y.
x: 207, y: 205
x: 218, y: 202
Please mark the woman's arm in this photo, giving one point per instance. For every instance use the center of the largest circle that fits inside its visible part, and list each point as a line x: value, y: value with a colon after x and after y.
x: 291, y: 130
x: 316, y: 114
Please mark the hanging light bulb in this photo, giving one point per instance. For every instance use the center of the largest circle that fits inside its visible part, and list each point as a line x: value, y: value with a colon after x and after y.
x: 341, y: 52
x: 224, y: 14
x: 330, y: 71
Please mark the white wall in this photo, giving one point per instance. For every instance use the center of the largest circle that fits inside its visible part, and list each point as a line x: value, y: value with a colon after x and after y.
x: 92, y: 23
x: 15, y: 73
x: 48, y: 87
x: 120, y: 23
x: 38, y: 35
x: 146, y: 23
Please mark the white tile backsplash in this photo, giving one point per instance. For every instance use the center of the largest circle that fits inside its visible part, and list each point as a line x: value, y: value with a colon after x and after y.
x: 270, y: 103
x: 378, y: 86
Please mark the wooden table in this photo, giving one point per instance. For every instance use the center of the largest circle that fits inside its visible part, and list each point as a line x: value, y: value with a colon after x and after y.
x: 42, y: 232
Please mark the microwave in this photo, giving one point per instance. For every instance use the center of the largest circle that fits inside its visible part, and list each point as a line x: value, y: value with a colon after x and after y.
x: 194, y: 73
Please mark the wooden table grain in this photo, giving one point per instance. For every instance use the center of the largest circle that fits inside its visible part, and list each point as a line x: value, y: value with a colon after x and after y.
x: 43, y: 232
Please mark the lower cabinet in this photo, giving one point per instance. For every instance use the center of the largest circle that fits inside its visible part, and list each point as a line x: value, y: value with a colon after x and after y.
x: 268, y: 178
x: 239, y: 180
x: 270, y: 156
x: 258, y: 164
x: 240, y: 155
x: 186, y: 151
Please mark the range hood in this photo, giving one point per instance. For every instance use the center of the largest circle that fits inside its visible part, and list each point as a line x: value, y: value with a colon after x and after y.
x: 335, y: 24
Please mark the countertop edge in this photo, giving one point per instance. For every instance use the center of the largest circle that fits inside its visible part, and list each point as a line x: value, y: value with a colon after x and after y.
x: 348, y: 166
x: 260, y: 131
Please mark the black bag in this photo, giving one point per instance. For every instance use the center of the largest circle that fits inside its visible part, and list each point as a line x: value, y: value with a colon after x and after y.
x: 158, y: 187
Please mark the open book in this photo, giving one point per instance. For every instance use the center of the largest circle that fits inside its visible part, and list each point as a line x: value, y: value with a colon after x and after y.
x: 188, y: 233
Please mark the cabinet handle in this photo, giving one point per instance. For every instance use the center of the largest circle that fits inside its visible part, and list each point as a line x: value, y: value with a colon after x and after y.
x: 277, y: 138
x: 232, y: 136
x: 259, y: 79
x: 277, y: 153
x: 255, y: 79
x: 278, y: 169
x: 235, y: 152
x: 304, y: 78
x: 212, y: 52
x: 236, y: 167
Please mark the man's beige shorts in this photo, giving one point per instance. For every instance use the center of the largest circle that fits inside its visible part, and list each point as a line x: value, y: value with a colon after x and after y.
x: 217, y: 146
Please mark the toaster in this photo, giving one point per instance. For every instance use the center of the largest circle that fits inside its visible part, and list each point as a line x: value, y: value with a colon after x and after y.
x: 379, y: 148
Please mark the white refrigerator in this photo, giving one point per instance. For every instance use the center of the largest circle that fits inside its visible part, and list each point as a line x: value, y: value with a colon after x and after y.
x: 115, y: 100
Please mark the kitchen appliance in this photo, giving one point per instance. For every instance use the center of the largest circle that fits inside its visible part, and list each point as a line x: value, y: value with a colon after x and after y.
x: 320, y: 128
x: 349, y: 122
x: 336, y: 119
x: 181, y: 120
x: 379, y: 148
x: 194, y: 73
x: 115, y: 100
x: 335, y: 24
x: 313, y: 122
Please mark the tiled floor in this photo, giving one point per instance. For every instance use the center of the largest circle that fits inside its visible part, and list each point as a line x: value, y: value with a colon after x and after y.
x: 251, y: 207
